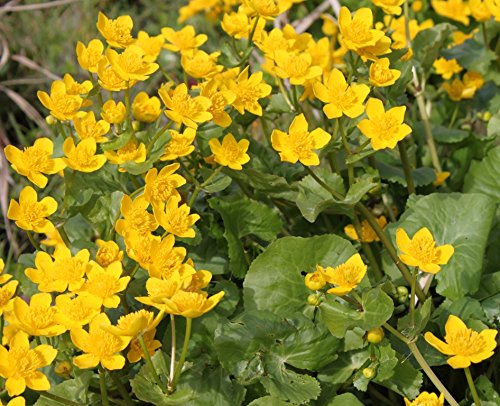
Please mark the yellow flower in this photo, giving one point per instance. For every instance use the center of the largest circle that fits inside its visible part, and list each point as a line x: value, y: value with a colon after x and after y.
x: 494, y: 7
x: 417, y: 5
x: 473, y: 79
x: 456, y: 10
x: 384, y: 128
x: 90, y: 55
x: 116, y: 32
x: 135, y: 324
x: 273, y: 41
x: 479, y: 10
x: 441, y: 177
x: 104, y: 284
x: 197, y: 281
x: 398, y: 28
x: 381, y: 75
x: 168, y: 259
x: 66, y: 272
x: 160, y: 289
x: 248, y: 91
x: 75, y: 312
x: 458, y: 90
x: 299, y: 144
x: 230, y: 153
x: 108, y: 77
x: 367, y: 233
x: 357, y: 32
x: 136, y: 217
x: 182, y: 108
x: 426, y: 399
x: 179, y: 144
x: 62, y: 105
x: 114, y: 113
x: 74, y: 88
x: 340, y: 97
x: 160, y: 186
x: 35, y: 161
x: 37, y: 318
x: 86, y: 126
x: 220, y: 99
x: 191, y: 304
x: 31, y: 214
x: 346, y: 276
x: 130, y: 152
x: 99, y: 346
x: 131, y: 65
x: 146, y: 109
x: 19, y: 365
x: 139, y: 247
x: 199, y: 64
x: 465, y: 345
x: 108, y: 252
x: 7, y: 292
x: 390, y: 6
x: 184, y: 40
x: 150, y: 45
x: 297, y: 67
x: 17, y: 401
x: 53, y: 239
x: 267, y: 9
x: 176, y: 219
x: 82, y: 157
x: 3, y: 277
x: 136, y: 352
x: 421, y: 250
x: 446, y: 68
x: 236, y: 24
x: 316, y: 280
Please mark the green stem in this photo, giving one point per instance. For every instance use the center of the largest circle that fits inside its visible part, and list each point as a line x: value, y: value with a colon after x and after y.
x: 412, y: 296
x: 33, y: 242
x: 157, y: 136
x: 295, y: 98
x: 285, y: 94
x: 333, y: 192
x: 172, y: 351
x: 389, y: 247
x: 252, y: 32
x: 403, y: 153
x: 396, y: 333
x: 344, y: 137
x: 59, y: 399
x: 178, y: 369
x: 193, y: 197
x: 430, y: 374
x: 472, y: 387
x: 212, y: 175
x: 367, y: 249
x: 149, y: 360
x: 127, y: 105
x: 485, y: 38
x: 102, y: 384
x: 99, y: 95
x: 123, y: 392
x: 362, y: 147
x: 454, y: 115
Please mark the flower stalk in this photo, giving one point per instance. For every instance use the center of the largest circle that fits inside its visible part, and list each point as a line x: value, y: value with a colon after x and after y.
x: 102, y: 384
x: 149, y: 361
x: 182, y: 359
x: 472, y: 387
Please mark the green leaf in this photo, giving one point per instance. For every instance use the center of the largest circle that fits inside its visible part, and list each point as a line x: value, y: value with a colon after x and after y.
x: 218, y: 183
x: 268, y: 401
x: 472, y: 55
x: 428, y: 44
x: 76, y: 390
x: 258, y: 346
x: 269, y: 184
x: 406, y: 380
x: 278, y: 104
x: 442, y: 134
x: 346, y: 399
x: 377, y: 309
x: 314, y: 198
x: 275, y: 280
x: 493, y: 129
x: 421, y: 176
x: 117, y: 142
x: 484, y: 176
x: 243, y: 217
x: 486, y: 390
x: 462, y: 220
x: 422, y: 315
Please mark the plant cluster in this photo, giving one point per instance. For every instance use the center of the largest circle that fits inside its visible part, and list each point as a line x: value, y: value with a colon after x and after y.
x: 319, y: 190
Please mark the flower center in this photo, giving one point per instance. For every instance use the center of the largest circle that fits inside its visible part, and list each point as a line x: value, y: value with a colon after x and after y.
x: 33, y: 212
x: 36, y: 159
x: 301, y: 143
x: 423, y: 249
x: 345, y: 275
x: 25, y: 362
x: 466, y: 342
x: 189, y: 300
x: 358, y: 32
x: 102, y: 286
x: 41, y: 317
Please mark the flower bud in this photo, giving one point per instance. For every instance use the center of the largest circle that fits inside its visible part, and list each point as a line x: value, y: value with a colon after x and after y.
x: 375, y: 335
x: 314, y: 299
x: 370, y: 373
x: 50, y: 120
x: 486, y: 116
x: 63, y: 369
x: 402, y: 292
